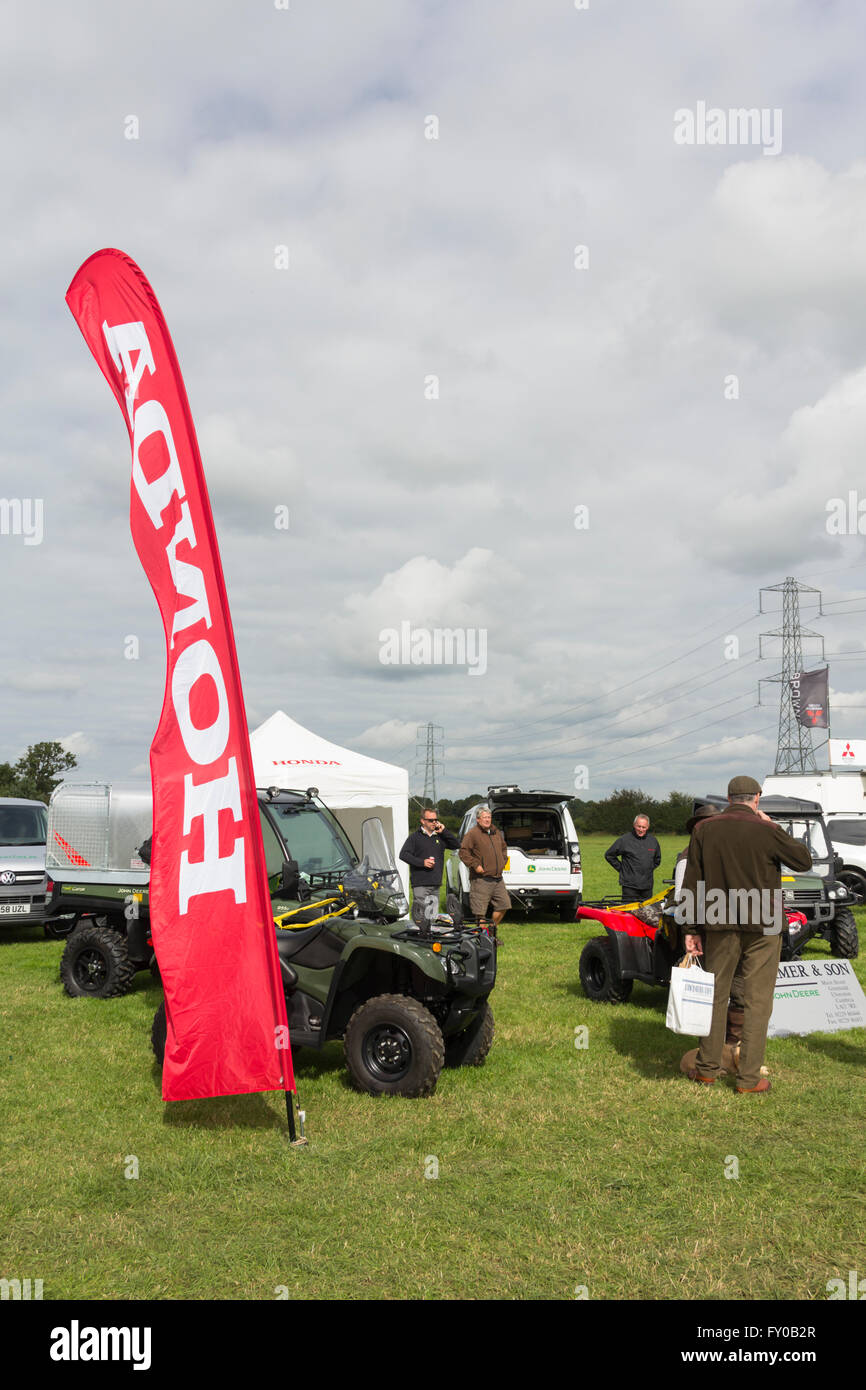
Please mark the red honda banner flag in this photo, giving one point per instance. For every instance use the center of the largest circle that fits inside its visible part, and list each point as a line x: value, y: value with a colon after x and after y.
x: 213, y: 930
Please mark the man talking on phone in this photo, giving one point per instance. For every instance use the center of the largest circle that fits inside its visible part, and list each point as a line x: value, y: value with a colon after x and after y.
x: 424, y: 852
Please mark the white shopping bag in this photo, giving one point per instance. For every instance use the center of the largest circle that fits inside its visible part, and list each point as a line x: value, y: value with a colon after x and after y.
x: 690, y: 1000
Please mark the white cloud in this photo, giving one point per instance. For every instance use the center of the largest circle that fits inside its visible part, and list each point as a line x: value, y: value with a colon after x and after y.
x: 470, y: 596
x: 389, y: 736
x: 787, y: 232
x: 782, y: 514
x: 79, y: 744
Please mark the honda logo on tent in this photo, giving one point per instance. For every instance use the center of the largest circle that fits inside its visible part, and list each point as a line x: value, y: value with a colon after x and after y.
x: 305, y: 762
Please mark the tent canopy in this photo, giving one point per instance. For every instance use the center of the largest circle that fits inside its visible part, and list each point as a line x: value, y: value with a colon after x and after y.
x: 353, y: 786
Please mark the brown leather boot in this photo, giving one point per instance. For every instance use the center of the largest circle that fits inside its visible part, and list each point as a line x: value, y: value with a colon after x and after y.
x: 761, y: 1089
x: 736, y: 1018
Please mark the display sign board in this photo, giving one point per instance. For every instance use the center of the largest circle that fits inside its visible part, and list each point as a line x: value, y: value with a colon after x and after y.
x: 816, y: 996
x: 847, y: 752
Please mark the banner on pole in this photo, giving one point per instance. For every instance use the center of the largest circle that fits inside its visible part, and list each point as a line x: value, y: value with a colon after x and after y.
x: 810, y: 697
x: 210, y: 911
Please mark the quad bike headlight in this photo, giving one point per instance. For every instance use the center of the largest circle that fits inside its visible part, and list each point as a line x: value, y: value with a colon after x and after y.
x: 454, y: 965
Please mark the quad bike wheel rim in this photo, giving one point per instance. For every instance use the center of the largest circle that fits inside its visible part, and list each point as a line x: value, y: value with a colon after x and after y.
x: 90, y: 970
x: 388, y: 1052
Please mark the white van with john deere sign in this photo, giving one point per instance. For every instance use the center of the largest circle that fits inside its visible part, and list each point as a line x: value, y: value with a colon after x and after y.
x: 543, y: 868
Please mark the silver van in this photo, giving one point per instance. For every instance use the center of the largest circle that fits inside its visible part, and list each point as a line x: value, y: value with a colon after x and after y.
x: 23, y: 881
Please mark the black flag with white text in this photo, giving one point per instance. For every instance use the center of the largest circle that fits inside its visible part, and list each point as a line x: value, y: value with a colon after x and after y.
x: 810, y: 696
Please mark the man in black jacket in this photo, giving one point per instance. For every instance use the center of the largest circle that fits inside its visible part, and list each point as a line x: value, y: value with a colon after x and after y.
x: 424, y: 852
x: 636, y: 856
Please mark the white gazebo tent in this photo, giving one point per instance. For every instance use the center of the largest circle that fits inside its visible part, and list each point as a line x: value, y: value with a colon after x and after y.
x: 353, y: 786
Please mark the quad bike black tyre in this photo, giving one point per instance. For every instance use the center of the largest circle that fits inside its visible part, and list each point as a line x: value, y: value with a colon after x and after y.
x: 599, y: 972
x: 158, y: 1033
x: 96, y: 963
x: 469, y: 1048
x: 394, y: 1047
x: 843, y: 936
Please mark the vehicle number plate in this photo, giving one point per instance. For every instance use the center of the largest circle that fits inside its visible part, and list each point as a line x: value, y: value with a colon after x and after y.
x: 14, y: 909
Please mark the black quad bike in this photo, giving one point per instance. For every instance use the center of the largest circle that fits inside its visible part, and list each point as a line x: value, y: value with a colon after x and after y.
x: 407, y: 997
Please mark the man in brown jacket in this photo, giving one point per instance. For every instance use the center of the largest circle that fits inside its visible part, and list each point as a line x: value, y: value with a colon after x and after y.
x: 732, y: 891
x: 484, y: 852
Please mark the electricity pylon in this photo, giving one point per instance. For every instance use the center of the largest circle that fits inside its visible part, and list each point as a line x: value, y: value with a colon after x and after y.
x: 429, y: 747
x: 794, y: 751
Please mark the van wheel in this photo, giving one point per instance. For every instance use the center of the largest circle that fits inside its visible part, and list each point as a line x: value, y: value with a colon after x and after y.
x: 599, y: 972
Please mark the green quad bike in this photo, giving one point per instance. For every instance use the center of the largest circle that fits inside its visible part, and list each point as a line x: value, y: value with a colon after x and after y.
x: 406, y: 996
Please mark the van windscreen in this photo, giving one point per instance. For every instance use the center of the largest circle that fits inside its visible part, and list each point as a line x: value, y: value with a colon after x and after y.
x: 22, y: 825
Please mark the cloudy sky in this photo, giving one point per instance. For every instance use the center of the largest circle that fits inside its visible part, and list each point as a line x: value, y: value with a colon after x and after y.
x: 552, y: 366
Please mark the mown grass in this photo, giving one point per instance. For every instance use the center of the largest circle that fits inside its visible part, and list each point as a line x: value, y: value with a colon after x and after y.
x: 558, y: 1166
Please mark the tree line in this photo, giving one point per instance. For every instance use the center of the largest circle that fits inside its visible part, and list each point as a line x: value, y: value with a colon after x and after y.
x: 37, y: 772
x: 613, y: 815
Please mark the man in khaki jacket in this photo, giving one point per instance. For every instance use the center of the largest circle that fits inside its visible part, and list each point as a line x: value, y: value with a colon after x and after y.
x: 484, y: 852
x: 732, y: 891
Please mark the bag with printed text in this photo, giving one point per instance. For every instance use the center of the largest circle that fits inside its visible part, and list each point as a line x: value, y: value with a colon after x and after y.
x: 690, y: 999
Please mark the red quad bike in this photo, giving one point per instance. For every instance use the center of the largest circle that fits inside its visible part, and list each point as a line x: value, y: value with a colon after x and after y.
x: 633, y: 949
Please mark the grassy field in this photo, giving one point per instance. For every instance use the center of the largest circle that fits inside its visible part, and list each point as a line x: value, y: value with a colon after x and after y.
x: 559, y: 1168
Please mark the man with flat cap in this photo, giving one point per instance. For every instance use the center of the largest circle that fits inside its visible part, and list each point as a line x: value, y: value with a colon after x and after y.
x: 732, y: 892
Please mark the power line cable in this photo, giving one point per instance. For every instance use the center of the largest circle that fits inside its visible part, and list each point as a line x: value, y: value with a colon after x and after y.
x: 735, y: 738
x: 521, y: 758
x: 732, y: 668
x: 515, y: 728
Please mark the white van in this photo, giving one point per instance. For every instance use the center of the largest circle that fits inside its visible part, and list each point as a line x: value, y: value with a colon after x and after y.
x: 23, y: 881
x: 543, y: 867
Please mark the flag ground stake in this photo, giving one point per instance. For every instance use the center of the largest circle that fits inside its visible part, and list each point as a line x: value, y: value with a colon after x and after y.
x: 294, y: 1140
